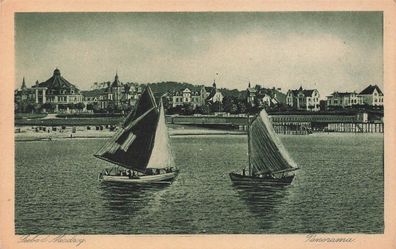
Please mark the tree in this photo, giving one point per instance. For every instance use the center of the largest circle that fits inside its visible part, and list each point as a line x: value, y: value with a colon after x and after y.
x: 62, y: 106
x: 80, y: 106
x: 241, y: 107
x: 234, y: 109
x: 174, y: 110
x: 216, y: 107
x: 90, y: 106
x: 30, y: 107
x: 227, y: 103
x: 71, y: 106
x: 188, y: 109
x: 23, y: 106
x: 36, y: 107
x: 49, y: 107
x: 203, y: 109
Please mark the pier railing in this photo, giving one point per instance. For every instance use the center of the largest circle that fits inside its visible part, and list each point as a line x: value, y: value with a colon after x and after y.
x: 289, y: 124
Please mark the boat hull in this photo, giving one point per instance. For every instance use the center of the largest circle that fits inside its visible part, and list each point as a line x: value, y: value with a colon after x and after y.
x: 262, y: 181
x: 166, y: 178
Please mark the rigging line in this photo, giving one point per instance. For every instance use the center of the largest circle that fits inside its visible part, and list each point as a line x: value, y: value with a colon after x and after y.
x: 139, y: 118
x: 285, y: 170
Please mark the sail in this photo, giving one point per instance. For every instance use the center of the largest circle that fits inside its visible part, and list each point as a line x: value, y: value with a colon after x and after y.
x: 267, y: 153
x: 132, y: 145
x: 161, y: 156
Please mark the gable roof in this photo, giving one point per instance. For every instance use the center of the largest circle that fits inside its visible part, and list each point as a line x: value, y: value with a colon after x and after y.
x: 370, y: 89
x: 342, y: 94
x: 307, y: 93
x: 211, y: 94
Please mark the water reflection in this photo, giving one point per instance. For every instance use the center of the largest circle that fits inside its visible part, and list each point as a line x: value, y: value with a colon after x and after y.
x: 262, y: 201
x: 126, y: 199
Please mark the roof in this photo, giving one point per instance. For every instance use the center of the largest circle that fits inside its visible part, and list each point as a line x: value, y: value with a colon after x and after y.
x: 208, y: 88
x: 23, y: 84
x: 186, y: 90
x: 370, y: 89
x: 116, y: 82
x: 342, y: 93
x: 211, y: 94
x: 304, y: 91
x: 56, y: 82
x: 308, y: 92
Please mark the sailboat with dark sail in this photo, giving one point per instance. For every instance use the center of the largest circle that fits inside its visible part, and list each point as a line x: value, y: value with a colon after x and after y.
x: 269, y: 161
x: 141, y: 148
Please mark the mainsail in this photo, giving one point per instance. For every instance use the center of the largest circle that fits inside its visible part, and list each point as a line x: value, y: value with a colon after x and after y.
x: 161, y: 156
x: 267, y: 153
x: 131, y: 147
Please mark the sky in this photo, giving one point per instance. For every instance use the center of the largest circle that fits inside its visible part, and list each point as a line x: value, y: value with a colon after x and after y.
x: 329, y: 51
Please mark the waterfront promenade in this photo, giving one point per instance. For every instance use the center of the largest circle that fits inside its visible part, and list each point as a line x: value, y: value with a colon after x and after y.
x: 53, y: 128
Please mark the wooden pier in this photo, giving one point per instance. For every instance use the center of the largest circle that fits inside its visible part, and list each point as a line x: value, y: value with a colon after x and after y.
x: 289, y: 124
x: 356, y: 127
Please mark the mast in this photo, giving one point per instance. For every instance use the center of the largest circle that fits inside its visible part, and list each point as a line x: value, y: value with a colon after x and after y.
x: 248, y: 133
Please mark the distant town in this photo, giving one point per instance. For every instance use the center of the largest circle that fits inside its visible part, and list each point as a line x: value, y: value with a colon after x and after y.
x: 58, y: 95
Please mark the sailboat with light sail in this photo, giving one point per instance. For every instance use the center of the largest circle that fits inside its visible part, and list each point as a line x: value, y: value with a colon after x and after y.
x: 141, y: 148
x: 269, y: 161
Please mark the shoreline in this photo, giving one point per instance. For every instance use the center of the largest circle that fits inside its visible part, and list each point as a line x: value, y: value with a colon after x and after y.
x: 31, y: 136
x: 27, y: 133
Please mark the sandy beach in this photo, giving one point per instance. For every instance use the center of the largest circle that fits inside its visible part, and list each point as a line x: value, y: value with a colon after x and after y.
x: 35, y: 133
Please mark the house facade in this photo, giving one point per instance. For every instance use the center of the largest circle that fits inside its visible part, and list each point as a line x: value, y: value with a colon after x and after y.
x: 303, y: 99
x: 372, y: 95
x: 185, y: 96
x: 343, y: 99
x: 196, y: 97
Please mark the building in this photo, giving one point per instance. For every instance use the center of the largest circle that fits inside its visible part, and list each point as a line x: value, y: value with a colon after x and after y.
x: 271, y: 96
x: 211, y: 94
x: 251, y: 95
x: 204, y: 95
x: 23, y: 94
x: 186, y: 96
x: 56, y: 93
x: 343, y: 99
x: 57, y: 90
x: 264, y: 96
x: 372, y: 95
x: 303, y: 99
x: 116, y: 95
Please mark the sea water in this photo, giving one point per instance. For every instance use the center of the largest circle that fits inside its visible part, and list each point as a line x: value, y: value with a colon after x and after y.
x: 338, y: 189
